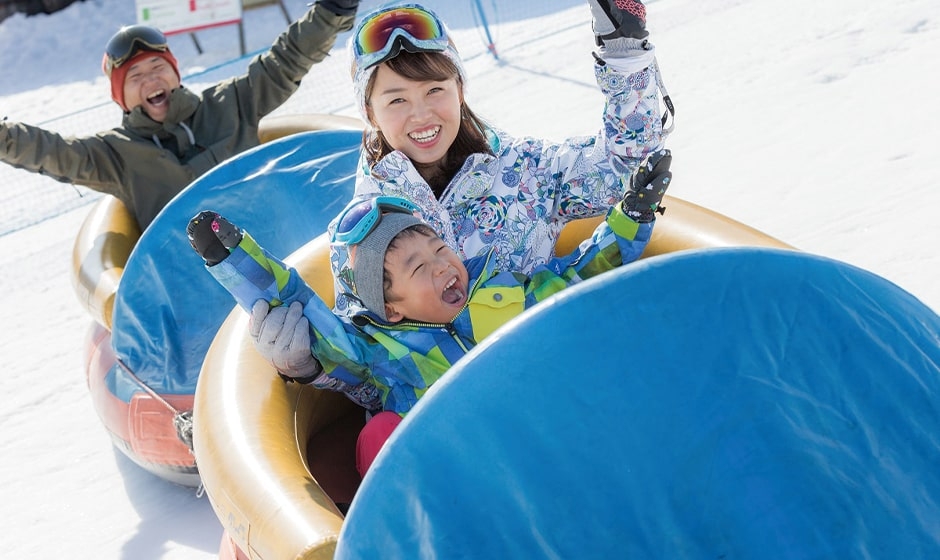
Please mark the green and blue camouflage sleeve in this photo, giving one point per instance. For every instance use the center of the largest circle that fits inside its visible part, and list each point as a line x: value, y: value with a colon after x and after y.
x: 616, y: 241
x: 251, y: 273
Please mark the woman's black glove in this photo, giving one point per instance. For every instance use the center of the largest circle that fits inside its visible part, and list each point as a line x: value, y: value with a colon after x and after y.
x: 618, y: 19
x: 647, y: 187
x: 340, y: 7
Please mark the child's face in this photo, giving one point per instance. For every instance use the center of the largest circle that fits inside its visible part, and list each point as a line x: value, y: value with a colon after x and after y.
x: 420, y: 119
x: 149, y: 83
x: 428, y: 281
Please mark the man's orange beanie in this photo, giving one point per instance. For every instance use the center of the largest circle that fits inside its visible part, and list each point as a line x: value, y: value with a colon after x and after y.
x: 118, y: 74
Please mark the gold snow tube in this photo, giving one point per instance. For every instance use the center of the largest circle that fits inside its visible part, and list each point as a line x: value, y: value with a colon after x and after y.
x: 253, y: 431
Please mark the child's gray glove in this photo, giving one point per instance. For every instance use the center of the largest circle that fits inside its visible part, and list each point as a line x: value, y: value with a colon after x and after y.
x: 619, y: 25
x: 282, y: 336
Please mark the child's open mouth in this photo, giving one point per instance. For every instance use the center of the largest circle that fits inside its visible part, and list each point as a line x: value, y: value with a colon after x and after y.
x: 453, y: 294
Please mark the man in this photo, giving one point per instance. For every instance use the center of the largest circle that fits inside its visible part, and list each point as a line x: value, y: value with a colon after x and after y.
x: 170, y: 135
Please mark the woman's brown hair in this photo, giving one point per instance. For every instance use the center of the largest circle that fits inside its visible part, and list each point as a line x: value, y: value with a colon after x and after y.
x: 436, y: 67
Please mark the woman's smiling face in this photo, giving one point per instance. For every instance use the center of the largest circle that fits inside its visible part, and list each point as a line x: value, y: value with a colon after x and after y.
x: 419, y: 118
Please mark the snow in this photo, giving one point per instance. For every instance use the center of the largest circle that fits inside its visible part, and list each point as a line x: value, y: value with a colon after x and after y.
x: 813, y: 122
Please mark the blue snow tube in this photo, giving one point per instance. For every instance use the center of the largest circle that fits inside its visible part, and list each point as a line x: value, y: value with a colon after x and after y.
x: 723, y: 403
x: 168, y: 308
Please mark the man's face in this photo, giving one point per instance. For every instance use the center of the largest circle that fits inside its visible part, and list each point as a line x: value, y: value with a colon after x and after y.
x: 148, y: 84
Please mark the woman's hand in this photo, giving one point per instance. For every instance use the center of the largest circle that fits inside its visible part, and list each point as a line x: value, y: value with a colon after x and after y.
x: 615, y: 19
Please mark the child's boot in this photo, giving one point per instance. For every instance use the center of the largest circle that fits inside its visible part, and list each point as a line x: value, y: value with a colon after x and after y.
x: 212, y: 236
x: 647, y: 187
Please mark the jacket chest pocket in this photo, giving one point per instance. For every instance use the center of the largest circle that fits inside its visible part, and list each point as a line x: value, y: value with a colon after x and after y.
x: 490, y: 308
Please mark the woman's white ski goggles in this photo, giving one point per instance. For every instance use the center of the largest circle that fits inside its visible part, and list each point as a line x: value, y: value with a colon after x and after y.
x: 381, y: 35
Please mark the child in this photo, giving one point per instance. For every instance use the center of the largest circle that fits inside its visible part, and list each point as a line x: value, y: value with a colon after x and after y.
x: 481, y: 189
x: 170, y: 135
x: 420, y: 308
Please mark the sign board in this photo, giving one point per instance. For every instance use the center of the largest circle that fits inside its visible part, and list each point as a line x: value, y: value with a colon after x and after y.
x: 187, y: 16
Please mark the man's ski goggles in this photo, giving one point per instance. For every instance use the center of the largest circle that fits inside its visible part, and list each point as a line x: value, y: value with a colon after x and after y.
x: 131, y: 40
x: 358, y: 219
x: 383, y: 34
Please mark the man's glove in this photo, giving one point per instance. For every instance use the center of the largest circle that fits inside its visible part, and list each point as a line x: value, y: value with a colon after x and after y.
x: 212, y: 236
x: 340, y: 7
x: 616, y: 19
x: 282, y: 336
x: 647, y: 187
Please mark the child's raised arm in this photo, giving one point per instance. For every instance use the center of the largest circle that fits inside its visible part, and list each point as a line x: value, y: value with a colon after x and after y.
x: 250, y: 273
x: 619, y: 239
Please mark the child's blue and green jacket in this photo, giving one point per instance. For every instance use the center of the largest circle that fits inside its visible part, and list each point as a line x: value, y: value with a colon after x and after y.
x: 404, y: 359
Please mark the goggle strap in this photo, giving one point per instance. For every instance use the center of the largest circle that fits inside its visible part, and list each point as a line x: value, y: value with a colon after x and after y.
x: 402, y: 42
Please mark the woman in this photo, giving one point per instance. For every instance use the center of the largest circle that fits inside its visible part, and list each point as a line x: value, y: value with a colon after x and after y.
x: 477, y: 186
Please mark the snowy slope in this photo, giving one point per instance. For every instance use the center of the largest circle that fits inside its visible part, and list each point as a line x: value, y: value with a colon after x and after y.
x: 815, y: 122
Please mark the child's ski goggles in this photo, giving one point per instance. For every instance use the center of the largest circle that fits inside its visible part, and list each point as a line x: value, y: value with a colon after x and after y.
x: 359, y: 218
x: 383, y: 34
x: 129, y: 41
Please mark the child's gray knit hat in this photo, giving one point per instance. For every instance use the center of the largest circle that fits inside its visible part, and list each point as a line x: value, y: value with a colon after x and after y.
x: 369, y: 261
